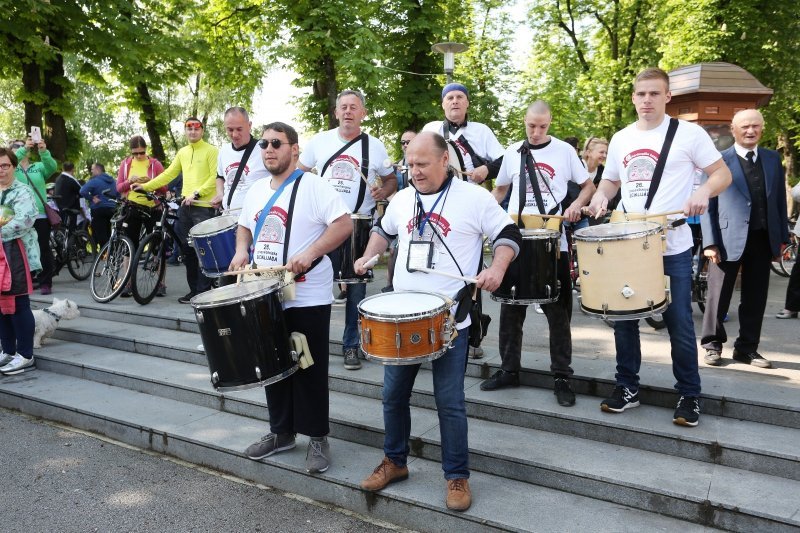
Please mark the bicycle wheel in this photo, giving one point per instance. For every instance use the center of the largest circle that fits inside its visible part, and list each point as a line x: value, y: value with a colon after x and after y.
x: 777, y: 265
x: 81, y: 255
x: 111, y: 269
x: 788, y: 258
x: 148, y: 268
x: 700, y: 287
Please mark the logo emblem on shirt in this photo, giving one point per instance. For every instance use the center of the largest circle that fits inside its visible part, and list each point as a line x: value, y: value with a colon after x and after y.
x: 640, y: 164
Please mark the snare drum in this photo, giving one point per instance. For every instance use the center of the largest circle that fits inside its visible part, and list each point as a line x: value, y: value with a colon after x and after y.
x: 215, y: 242
x: 245, y: 335
x: 622, y: 270
x: 405, y: 327
x: 532, y: 278
x: 350, y: 250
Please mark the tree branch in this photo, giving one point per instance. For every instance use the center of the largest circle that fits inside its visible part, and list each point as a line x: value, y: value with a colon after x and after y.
x: 571, y: 33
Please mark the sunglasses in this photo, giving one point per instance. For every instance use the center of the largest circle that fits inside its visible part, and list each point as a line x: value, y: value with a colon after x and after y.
x: 404, y: 143
x: 138, y: 153
x: 275, y: 143
x: 193, y: 126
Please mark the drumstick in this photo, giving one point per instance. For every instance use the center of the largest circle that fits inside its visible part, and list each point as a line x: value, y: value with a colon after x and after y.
x: 560, y: 217
x: 447, y: 274
x: 372, y: 262
x: 258, y: 270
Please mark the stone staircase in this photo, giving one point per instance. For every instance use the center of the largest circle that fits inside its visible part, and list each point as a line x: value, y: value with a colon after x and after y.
x: 134, y: 373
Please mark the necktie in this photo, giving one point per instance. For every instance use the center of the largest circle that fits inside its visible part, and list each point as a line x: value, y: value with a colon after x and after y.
x: 750, y: 156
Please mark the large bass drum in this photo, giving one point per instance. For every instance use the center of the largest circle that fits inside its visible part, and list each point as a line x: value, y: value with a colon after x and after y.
x: 244, y: 335
x: 532, y: 278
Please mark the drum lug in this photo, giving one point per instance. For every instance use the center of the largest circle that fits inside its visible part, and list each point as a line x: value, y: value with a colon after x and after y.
x: 199, y: 315
x: 258, y: 374
x: 398, y: 339
x: 627, y: 292
x: 513, y: 292
x: 366, y: 337
x: 645, y: 244
x: 432, y: 335
x: 605, y: 310
x: 600, y: 249
x: 214, y: 378
x: 242, y: 309
x: 549, y: 246
x: 548, y: 291
x: 294, y: 356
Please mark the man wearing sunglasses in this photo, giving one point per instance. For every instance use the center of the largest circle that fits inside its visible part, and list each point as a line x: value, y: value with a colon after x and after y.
x: 297, y: 218
x: 351, y: 160
x: 197, y: 161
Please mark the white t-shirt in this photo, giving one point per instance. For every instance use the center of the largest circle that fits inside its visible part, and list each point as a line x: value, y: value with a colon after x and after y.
x: 480, y: 138
x: 632, y: 157
x: 556, y: 165
x: 227, y: 165
x: 316, y: 206
x: 344, y: 172
x: 462, y: 217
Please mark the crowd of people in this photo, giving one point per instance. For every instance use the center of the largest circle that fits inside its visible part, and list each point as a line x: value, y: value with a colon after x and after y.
x: 454, y: 187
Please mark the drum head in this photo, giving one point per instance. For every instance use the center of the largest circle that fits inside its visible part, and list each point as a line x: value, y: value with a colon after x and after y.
x: 402, y: 303
x: 213, y: 226
x: 540, y: 234
x: 235, y: 293
x: 617, y: 231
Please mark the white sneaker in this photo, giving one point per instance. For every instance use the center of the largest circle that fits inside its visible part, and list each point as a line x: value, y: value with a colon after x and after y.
x: 201, y: 348
x: 538, y: 309
x: 5, y: 358
x: 18, y: 365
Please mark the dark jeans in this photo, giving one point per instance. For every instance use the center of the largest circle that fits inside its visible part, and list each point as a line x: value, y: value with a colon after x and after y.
x: 755, y: 262
x: 101, y: 224
x: 300, y: 403
x: 793, y: 290
x: 678, y: 317
x: 559, y: 315
x: 16, y: 331
x: 188, y: 217
x: 42, y: 227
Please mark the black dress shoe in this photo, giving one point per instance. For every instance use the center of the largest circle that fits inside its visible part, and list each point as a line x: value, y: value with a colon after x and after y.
x: 500, y: 380
x: 752, y: 358
x: 187, y: 298
x: 565, y: 396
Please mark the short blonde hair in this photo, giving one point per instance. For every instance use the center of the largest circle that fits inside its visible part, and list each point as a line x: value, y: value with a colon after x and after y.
x: 591, y: 142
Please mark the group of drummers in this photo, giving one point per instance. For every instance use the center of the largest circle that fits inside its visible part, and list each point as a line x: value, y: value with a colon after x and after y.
x: 290, y: 237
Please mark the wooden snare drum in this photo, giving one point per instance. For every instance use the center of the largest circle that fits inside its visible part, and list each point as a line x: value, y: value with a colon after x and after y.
x: 622, y: 270
x: 405, y: 327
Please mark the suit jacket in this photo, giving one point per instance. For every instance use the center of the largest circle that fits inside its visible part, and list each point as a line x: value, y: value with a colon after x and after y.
x: 727, y: 221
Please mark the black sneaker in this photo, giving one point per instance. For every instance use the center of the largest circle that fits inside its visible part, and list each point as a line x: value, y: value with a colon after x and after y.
x: 622, y: 398
x: 688, y: 411
x: 351, y: 361
x: 187, y: 298
x: 500, y: 380
x: 752, y: 358
x: 565, y: 396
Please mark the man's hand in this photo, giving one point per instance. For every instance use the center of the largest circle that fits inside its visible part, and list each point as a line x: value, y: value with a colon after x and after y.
x: 712, y: 254
x: 377, y: 193
x: 300, y: 263
x: 189, y: 200
x: 490, y: 278
x: 217, y: 201
x: 697, y: 203
x: 95, y: 200
x: 239, y: 261
x: 598, y: 206
x: 480, y: 174
x: 573, y: 213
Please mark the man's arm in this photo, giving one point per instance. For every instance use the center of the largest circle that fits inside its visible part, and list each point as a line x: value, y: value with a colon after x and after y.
x: 500, y: 192
x: 606, y: 190
x: 387, y: 189
x: 377, y: 245
x: 573, y: 212
x: 244, y: 237
x: 165, y: 177
x: 719, y: 178
x: 334, y: 235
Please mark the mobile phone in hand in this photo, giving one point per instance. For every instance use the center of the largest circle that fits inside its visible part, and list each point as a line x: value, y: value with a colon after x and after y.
x: 36, y: 134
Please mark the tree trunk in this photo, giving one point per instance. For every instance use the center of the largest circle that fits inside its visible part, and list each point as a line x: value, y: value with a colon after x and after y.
x: 32, y: 85
x: 56, y: 126
x: 154, y: 128
x: 329, y: 65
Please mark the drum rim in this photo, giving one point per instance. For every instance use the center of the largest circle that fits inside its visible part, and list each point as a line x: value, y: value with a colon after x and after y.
x: 620, y: 315
x: 655, y: 229
x: 408, y: 317
x: 217, y: 232
x: 360, y: 216
x: 541, y: 233
x: 263, y: 383
x: 404, y: 361
x: 523, y: 301
x: 275, y: 286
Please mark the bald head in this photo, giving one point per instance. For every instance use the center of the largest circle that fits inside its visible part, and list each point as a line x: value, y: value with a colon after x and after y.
x: 539, y: 107
x: 537, y: 122
x: 747, y: 127
x: 427, y: 160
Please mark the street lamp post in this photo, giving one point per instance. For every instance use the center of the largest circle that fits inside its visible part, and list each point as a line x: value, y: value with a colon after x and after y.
x: 449, y: 50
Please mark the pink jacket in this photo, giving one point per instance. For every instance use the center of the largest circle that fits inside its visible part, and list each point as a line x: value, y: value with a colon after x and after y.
x: 154, y: 168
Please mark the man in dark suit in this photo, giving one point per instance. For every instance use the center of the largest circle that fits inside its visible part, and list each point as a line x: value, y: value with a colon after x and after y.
x: 67, y: 194
x: 744, y: 227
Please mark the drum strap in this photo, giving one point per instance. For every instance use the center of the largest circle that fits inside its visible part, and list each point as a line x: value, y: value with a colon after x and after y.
x: 297, y: 174
x: 527, y: 170
x: 662, y: 162
x: 243, y: 163
x: 362, y: 188
x: 288, y: 232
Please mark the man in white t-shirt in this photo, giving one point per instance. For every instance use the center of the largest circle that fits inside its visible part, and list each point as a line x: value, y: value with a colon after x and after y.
x: 555, y: 164
x: 231, y: 156
x: 304, y: 220
x: 357, y: 165
x: 441, y: 223
x: 632, y: 157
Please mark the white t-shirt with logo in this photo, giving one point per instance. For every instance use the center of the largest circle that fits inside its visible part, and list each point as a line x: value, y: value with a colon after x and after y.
x: 632, y: 157
x: 462, y: 217
x: 227, y: 165
x: 556, y: 165
x: 480, y: 138
x: 316, y: 206
x: 344, y: 172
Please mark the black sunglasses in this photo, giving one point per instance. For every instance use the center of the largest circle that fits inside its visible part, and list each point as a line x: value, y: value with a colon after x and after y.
x: 403, y: 143
x: 138, y: 153
x: 276, y: 143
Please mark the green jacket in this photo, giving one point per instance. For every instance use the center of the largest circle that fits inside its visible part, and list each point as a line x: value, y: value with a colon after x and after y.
x: 21, y: 199
x: 38, y: 173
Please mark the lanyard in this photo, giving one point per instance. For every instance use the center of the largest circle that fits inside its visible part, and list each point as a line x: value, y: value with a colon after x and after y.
x: 268, y: 206
x: 428, y: 215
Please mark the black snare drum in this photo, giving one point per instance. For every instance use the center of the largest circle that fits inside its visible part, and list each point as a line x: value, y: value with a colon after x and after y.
x: 244, y: 335
x: 532, y: 278
x: 350, y: 250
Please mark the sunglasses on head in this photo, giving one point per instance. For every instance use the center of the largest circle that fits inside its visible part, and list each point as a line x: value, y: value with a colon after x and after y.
x: 275, y: 143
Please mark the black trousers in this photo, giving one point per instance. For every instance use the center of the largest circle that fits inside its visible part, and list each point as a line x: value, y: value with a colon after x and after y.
x: 755, y: 262
x: 793, y: 290
x: 101, y: 224
x: 300, y: 403
x: 188, y: 217
x: 42, y: 227
x: 559, y: 315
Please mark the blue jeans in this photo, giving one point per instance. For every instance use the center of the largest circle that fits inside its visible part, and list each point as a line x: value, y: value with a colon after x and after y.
x: 355, y: 293
x: 680, y: 326
x: 16, y: 331
x: 448, y: 391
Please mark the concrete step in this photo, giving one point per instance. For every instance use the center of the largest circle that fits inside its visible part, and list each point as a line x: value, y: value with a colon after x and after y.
x: 211, y: 437
x: 596, y: 469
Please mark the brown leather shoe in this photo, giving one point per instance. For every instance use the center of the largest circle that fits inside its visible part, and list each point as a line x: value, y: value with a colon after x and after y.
x: 386, y: 472
x: 459, y: 497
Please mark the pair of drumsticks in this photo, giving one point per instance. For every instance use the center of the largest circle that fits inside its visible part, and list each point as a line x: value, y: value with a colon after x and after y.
x: 263, y: 270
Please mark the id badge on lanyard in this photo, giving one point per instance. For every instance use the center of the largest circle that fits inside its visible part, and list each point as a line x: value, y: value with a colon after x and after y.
x: 420, y: 255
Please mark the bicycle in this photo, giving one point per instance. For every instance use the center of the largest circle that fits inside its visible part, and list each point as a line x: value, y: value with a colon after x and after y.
x: 75, y: 249
x: 783, y: 266
x: 113, y: 265
x: 150, y: 259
